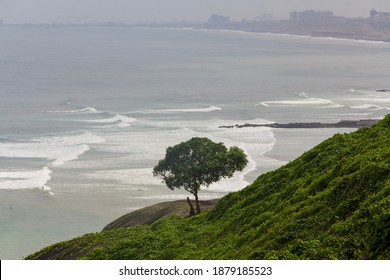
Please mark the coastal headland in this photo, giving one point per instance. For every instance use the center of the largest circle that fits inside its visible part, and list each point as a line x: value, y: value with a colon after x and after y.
x: 340, y: 124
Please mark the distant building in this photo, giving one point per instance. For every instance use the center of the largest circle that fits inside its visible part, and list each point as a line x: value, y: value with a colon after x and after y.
x: 217, y: 19
x: 310, y: 16
x: 1, y: 22
x: 379, y: 17
x: 265, y: 17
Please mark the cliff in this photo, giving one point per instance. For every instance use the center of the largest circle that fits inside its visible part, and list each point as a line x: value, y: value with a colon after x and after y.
x: 333, y: 202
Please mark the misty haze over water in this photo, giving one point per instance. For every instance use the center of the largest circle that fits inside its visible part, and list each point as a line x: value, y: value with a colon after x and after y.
x: 87, y: 112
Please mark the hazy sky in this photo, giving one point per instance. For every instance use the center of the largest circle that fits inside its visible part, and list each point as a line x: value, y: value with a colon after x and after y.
x: 130, y: 11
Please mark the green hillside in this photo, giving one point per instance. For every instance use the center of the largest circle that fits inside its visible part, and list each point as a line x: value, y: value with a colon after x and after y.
x: 333, y: 202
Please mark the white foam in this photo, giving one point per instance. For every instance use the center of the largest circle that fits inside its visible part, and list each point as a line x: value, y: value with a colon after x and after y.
x: 140, y: 146
x: 364, y: 106
x: 334, y: 105
x: 183, y: 110
x: 350, y: 115
x: 58, y: 149
x: 84, y: 110
x: 374, y: 99
x: 373, y: 94
x: 303, y: 94
x: 194, y: 110
x: 118, y: 124
x: 30, y: 179
x: 138, y: 176
x: 69, y: 153
x: 370, y: 107
x: 77, y: 139
x: 113, y: 119
x: 302, y: 102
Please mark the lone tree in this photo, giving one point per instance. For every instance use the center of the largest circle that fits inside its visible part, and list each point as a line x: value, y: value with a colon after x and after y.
x: 198, y: 162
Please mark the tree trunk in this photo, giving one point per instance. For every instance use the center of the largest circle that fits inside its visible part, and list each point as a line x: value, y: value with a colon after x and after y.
x: 192, y: 211
x: 197, y: 203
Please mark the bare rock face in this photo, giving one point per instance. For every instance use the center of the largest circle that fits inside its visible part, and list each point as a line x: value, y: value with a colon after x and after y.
x: 343, y: 124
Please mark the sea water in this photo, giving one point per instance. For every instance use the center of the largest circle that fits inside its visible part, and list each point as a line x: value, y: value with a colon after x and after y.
x: 85, y: 114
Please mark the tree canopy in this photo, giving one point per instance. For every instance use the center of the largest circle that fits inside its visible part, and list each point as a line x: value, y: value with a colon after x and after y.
x: 198, y: 162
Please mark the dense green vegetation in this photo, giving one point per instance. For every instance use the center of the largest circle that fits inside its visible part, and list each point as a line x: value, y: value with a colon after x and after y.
x: 333, y: 202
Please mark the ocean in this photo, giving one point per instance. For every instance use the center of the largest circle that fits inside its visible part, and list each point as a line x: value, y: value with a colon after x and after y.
x: 87, y: 112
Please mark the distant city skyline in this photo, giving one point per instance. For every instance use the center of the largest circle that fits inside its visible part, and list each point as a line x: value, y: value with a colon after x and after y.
x: 132, y: 11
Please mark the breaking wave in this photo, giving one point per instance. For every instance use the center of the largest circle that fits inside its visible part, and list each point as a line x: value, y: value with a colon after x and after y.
x: 194, y: 110
x: 108, y: 117
x: 83, y: 110
x: 29, y: 179
x: 181, y: 110
x: 310, y: 101
x: 371, y: 107
x: 55, y: 151
x: 117, y: 119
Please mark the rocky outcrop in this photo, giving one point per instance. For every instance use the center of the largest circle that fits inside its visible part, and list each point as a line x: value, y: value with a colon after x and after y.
x: 150, y: 214
x: 341, y: 124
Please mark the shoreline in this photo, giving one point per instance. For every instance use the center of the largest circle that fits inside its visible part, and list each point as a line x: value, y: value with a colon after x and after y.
x: 374, y: 36
x: 295, y: 35
x: 335, y: 28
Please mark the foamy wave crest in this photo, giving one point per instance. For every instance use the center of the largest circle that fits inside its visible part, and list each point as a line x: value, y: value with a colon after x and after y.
x: 302, y: 102
x: 371, y: 107
x: 377, y: 99
x: 194, y: 110
x: 58, y: 149
x: 334, y: 105
x: 112, y: 119
x: 69, y: 154
x: 118, y: 120
x: 18, y: 180
x: 371, y: 96
x: 84, y: 110
x: 303, y: 94
x: 188, y: 110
